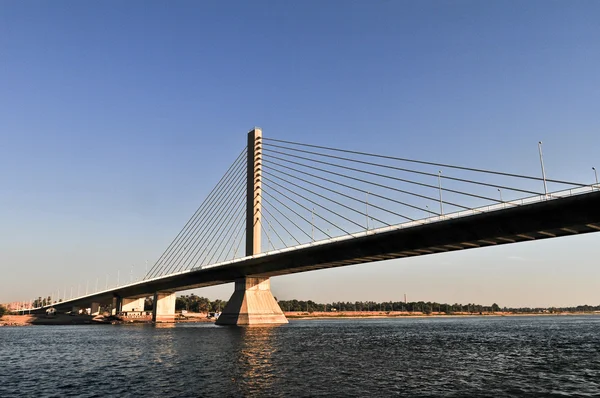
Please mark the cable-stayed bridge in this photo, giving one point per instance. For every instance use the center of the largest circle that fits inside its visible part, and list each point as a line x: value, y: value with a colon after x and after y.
x: 284, y: 207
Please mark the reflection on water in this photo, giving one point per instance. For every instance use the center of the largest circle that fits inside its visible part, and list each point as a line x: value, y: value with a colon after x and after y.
x: 255, y: 359
x: 165, y: 325
x: 458, y: 357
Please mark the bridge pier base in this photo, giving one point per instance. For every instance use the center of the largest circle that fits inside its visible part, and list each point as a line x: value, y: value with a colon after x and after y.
x: 95, y: 309
x: 163, y: 307
x: 252, y: 303
x: 117, y: 304
x: 136, y: 304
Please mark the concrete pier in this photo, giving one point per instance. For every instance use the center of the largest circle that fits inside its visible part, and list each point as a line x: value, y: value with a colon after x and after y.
x: 95, y: 309
x: 163, y: 307
x: 252, y: 303
x: 117, y: 304
x: 136, y: 304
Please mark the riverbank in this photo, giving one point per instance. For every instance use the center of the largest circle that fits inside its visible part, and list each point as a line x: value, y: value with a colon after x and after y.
x: 64, y: 319
x: 59, y: 319
x: 401, y: 314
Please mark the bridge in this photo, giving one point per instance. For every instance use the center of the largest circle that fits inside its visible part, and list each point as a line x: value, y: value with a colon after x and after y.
x: 299, y: 207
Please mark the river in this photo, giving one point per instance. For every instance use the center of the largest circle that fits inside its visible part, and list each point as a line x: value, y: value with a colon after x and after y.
x: 447, y: 357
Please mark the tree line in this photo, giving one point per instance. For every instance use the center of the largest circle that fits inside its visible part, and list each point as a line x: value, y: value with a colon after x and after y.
x: 422, y: 307
x: 195, y: 303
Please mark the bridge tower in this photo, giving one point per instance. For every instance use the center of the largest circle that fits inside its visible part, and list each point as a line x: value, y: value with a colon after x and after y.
x: 252, y: 302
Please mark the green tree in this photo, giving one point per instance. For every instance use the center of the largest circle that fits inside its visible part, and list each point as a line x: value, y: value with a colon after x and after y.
x: 3, y: 310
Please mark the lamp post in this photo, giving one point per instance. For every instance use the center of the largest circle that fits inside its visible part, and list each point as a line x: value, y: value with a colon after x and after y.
x: 596, y: 175
x: 543, y: 170
x: 367, y: 209
x: 501, y: 200
x: 440, y: 186
x: 312, y: 224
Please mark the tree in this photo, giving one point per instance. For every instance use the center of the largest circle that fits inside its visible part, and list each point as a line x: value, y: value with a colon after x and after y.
x: 3, y: 310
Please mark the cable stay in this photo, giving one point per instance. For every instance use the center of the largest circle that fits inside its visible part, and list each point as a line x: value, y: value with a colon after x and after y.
x: 423, y: 162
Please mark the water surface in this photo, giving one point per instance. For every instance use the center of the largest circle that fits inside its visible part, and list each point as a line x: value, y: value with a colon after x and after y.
x: 450, y: 357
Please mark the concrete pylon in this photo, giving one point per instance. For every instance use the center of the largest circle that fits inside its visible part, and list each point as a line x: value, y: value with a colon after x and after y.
x: 95, y: 309
x: 117, y: 305
x: 136, y: 304
x: 252, y: 302
x: 163, y: 307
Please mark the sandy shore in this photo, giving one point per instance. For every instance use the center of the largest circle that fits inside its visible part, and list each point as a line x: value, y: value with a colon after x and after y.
x: 63, y: 319
x: 399, y: 314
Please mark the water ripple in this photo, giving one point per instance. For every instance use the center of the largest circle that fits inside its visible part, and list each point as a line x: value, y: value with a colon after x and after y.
x: 448, y: 357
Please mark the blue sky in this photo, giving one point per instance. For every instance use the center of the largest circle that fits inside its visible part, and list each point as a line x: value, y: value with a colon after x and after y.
x: 117, y: 119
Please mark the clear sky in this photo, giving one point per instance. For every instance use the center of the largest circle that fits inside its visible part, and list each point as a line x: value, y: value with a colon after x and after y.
x: 116, y: 120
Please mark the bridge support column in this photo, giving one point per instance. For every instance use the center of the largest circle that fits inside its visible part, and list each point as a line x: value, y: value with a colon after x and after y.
x: 95, y: 309
x: 252, y: 303
x: 163, y: 308
x: 136, y: 304
x: 117, y: 305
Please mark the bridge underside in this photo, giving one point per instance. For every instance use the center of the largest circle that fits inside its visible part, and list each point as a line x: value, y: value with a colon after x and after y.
x: 553, y: 218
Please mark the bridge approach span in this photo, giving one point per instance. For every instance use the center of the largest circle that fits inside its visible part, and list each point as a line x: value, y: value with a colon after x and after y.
x: 566, y: 216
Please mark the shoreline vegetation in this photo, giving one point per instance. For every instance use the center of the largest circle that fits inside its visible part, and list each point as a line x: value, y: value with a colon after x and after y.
x: 400, y: 314
x: 192, y: 308
x: 64, y: 319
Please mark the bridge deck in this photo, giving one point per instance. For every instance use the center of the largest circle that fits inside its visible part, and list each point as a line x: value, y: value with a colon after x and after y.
x: 572, y: 215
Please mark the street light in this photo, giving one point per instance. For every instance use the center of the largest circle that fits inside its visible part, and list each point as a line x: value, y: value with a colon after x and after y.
x: 543, y: 171
x: 440, y: 186
x: 312, y: 224
x: 367, y: 209
x: 501, y: 200
x: 596, y: 174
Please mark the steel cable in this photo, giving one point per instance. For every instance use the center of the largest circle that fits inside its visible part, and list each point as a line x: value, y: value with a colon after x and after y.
x: 194, y: 240
x: 336, y: 192
x: 312, y: 212
x: 429, y: 163
x: 194, y: 217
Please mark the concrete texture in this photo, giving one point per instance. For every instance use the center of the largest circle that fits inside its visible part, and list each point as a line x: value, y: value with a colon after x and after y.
x: 164, y: 307
x: 133, y: 304
x: 252, y: 303
x: 253, y: 192
x: 95, y: 309
x: 117, y: 304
